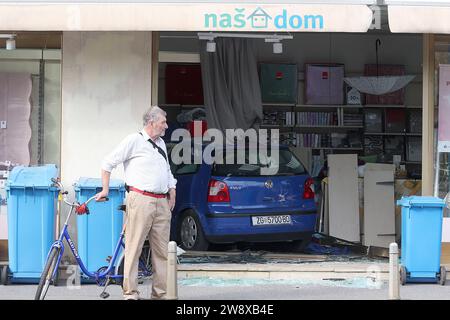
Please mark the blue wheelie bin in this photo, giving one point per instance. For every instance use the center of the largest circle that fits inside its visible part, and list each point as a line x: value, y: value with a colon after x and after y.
x: 421, y: 239
x: 31, y: 203
x: 99, y: 231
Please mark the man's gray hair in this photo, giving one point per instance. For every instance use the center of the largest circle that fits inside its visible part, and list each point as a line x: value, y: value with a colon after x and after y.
x: 153, y: 114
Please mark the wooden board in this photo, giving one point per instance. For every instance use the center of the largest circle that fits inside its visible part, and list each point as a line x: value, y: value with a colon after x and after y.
x: 445, y: 253
x: 379, y: 205
x: 343, y: 197
x: 3, y: 250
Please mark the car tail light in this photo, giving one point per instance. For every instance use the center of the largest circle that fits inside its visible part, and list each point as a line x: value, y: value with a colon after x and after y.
x: 308, y: 190
x: 218, y: 191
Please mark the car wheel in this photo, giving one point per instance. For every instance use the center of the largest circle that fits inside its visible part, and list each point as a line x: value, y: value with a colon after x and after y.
x: 402, y: 275
x: 190, y: 233
x: 4, y: 277
x: 442, y: 276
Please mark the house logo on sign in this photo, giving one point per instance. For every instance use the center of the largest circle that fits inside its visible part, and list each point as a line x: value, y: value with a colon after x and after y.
x: 259, y: 18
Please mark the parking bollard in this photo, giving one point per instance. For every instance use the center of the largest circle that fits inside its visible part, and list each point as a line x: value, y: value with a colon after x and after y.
x: 394, y: 274
x: 172, y: 286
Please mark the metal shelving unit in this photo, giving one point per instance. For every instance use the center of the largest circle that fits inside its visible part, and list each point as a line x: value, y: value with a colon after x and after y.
x: 338, y: 116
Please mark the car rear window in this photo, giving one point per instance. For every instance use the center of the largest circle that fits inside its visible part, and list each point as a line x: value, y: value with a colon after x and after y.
x: 288, y: 164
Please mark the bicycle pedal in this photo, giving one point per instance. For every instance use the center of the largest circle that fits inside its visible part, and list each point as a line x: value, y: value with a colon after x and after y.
x: 104, y: 295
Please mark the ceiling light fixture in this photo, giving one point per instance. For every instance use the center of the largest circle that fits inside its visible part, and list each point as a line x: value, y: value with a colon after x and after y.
x: 10, y: 41
x: 211, y: 46
x: 273, y: 38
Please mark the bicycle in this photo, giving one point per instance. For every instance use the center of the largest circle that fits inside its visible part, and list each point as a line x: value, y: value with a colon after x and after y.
x: 103, y: 276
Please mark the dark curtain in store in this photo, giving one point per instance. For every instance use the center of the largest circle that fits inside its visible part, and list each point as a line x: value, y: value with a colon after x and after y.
x: 231, y: 85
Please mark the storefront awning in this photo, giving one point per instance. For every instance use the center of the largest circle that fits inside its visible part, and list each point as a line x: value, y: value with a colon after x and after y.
x: 432, y: 16
x: 184, y: 16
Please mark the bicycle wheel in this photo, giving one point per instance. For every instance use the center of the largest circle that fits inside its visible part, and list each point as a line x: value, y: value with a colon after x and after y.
x: 46, y: 276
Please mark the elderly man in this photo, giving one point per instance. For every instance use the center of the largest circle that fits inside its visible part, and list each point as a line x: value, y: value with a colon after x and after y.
x: 150, y: 200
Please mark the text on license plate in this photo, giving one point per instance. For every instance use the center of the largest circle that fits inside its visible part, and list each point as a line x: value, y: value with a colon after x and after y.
x: 264, y: 220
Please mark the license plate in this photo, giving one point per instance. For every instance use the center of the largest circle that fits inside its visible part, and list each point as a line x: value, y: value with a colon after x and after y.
x: 268, y: 220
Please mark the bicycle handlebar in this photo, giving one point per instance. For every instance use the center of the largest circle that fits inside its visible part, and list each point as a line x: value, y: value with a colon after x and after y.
x: 65, y: 193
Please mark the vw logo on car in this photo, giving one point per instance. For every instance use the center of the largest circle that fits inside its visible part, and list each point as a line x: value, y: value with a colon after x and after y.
x: 269, y: 184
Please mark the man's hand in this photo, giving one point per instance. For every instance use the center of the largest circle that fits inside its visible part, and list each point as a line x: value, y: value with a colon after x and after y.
x: 100, y: 197
x: 172, y: 195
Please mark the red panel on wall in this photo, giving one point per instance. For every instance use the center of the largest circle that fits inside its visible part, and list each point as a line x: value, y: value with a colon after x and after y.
x: 396, y: 97
x: 184, y: 84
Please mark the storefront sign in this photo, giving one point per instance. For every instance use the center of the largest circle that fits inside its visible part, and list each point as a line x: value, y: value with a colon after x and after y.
x: 185, y: 17
x: 444, y: 108
x: 418, y: 16
x: 260, y: 19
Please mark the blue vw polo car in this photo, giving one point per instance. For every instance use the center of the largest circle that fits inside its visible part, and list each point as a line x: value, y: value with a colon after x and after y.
x: 229, y: 203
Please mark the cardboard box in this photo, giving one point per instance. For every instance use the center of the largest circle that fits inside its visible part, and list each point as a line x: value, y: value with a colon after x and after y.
x: 414, y: 149
x: 395, y: 120
x: 279, y: 83
x: 353, y: 96
x: 4, y: 250
x: 445, y: 253
x: 324, y: 84
x: 184, y: 84
x: 373, y: 120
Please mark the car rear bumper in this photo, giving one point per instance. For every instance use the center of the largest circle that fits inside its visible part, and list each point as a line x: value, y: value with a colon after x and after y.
x: 240, y: 215
x: 261, y: 237
x: 229, y: 228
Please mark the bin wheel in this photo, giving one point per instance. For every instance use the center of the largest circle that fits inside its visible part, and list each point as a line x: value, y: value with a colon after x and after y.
x: 442, y: 276
x: 4, y: 275
x: 402, y: 275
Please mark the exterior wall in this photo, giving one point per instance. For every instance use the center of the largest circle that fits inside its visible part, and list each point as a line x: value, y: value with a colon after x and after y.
x: 106, y: 87
x: 52, y: 113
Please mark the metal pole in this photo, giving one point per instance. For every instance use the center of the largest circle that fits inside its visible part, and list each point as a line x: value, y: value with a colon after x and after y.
x: 436, y: 175
x: 58, y: 215
x: 394, y: 283
x: 41, y: 113
x: 172, y: 286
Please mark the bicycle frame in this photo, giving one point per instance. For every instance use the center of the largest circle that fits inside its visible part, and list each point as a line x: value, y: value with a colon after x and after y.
x: 95, y: 275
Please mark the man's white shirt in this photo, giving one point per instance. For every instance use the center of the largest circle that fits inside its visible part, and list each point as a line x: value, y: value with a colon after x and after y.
x: 145, y: 168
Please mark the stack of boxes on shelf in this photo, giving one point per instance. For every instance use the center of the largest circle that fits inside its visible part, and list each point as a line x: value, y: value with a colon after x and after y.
x: 322, y: 122
x: 380, y: 126
x: 391, y: 128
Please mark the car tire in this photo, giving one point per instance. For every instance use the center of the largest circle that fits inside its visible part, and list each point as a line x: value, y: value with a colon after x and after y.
x: 402, y: 275
x: 4, y: 275
x: 190, y: 233
x: 442, y: 276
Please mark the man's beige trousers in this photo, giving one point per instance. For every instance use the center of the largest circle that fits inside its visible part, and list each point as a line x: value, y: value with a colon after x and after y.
x: 146, y: 216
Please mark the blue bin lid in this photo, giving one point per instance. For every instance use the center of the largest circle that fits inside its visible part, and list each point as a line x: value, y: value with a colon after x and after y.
x: 94, y: 183
x: 421, y: 201
x: 38, y: 177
